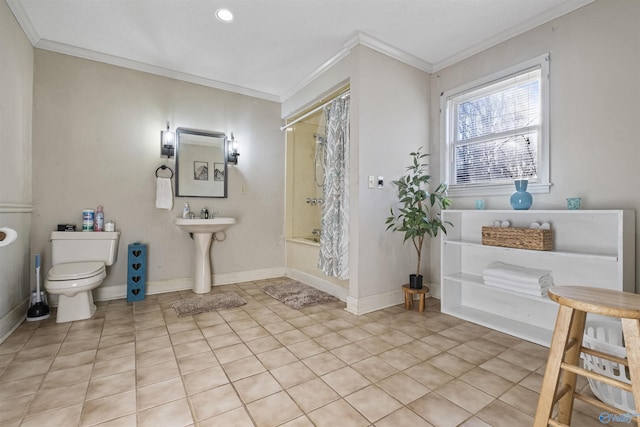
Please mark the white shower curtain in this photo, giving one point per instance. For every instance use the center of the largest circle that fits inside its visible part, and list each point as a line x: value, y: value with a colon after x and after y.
x: 334, y: 223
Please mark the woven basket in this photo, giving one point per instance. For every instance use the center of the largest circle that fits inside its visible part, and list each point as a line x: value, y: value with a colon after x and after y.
x: 519, y: 238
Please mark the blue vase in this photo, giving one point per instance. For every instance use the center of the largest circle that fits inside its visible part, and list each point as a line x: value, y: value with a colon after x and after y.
x: 521, y: 199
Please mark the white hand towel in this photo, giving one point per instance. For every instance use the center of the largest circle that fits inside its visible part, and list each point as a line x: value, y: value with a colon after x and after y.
x: 164, y: 194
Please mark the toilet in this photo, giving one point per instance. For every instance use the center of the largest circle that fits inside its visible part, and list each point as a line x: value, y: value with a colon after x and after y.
x: 79, y: 261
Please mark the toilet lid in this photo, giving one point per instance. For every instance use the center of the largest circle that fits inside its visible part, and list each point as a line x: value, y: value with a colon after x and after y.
x: 75, y: 270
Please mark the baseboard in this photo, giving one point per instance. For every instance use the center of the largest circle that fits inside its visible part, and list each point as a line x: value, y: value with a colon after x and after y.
x: 106, y: 293
x: 318, y: 283
x: 10, y: 321
x: 372, y: 303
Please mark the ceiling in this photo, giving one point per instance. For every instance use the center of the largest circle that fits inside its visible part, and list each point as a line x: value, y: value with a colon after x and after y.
x: 274, y: 47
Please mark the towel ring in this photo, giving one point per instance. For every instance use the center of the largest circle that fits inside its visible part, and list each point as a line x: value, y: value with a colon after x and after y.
x: 164, y: 167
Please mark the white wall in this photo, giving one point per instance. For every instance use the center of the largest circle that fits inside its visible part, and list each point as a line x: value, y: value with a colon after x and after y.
x: 595, y: 88
x: 16, y: 85
x: 96, y: 141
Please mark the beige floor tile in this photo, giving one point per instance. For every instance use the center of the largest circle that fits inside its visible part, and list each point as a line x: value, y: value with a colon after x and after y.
x: 474, y: 422
x: 351, y: 353
x: 155, y: 343
x: 505, y: 369
x: 521, y: 398
x: 205, y: 379
x: 31, y: 368
x: 464, y: 395
x: 276, y: 358
x: 314, y: 331
x: 243, y: 368
x: 291, y: 337
x: 114, y: 366
x: 399, y: 359
x: 293, y: 374
x: 156, y: 373
x: 302, y: 421
x: 172, y: 414
x: 232, y: 353
x: 403, y: 417
x: 487, y: 381
x: 273, y: 410
x: 192, y: 347
x: 148, y: 333
x: 111, y: 340
x: 256, y: 387
x: 154, y: 357
x: 403, y: 388
x: 305, y: 349
x: 338, y: 413
x: 160, y: 393
x: 72, y: 360
x: 65, y: 416
x: 12, y: 410
x: 186, y: 336
x: 261, y: 345
x: 332, y: 340
x: 20, y: 387
x: 373, y: 402
x: 439, y: 411
x: 120, y: 350
x: 236, y: 417
x: 113, y: 384
x: 214, y: 402
x: 450, y: 364
x: 346, y: 380
x: 487, y: 346
x: 108, y: 408
x: 45, y: 351
x: 374, y: 368
x: 224, y: 340
x: 500, y: 414
x: 197, y: 362
x: 323, y: 363
x: 524, y: 360
x: 251, y: 334
x: 470, y: 354
x: 312, y: 394
x: 440, y: 342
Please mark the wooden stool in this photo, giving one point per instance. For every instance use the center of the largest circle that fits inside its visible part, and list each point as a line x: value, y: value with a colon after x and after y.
x: 566, y: 345
x: 408, y: 296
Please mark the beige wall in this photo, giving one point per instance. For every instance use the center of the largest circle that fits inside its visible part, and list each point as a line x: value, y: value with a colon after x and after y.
x: 96, y: 141
x: 595, y: 88
x: 16, y: 85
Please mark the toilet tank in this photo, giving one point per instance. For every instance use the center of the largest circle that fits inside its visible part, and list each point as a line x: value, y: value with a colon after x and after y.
x: 67, y: 246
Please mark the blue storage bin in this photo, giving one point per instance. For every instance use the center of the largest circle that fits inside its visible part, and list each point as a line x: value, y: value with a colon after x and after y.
x: 136, y: 272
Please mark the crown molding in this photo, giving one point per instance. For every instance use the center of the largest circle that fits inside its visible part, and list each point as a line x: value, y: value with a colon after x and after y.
x: 512, y: 32
x: 152, y: 69
x: 23, y: 20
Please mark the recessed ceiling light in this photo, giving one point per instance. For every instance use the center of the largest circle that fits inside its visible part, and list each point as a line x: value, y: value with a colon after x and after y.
x: 224, y: 15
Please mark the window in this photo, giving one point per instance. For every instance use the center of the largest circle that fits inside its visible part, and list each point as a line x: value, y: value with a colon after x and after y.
x: 495, y: 130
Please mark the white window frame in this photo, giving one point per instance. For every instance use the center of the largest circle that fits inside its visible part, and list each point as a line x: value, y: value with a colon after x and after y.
x: 542, y: 183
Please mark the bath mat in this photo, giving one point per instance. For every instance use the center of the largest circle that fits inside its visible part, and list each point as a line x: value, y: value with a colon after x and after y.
x: 297, y: 295
x: 191, y: 306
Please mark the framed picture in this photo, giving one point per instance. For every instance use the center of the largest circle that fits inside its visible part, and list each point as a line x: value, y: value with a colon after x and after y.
x: 201, y: 171
x: 218, y: 171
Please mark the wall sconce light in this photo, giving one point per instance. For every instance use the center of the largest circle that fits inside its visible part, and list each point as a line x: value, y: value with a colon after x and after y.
x: 232, y: 154
x: 167, y: 142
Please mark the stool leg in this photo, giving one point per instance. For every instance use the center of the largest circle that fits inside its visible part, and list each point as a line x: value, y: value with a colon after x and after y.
x: 571, y: 357
x: 631, y: 331
x: 552, y: 371
x: 421, y: 306
x: 407, y: 301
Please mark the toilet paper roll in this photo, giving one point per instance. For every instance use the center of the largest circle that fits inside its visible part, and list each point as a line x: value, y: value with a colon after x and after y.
x: 7, y: 236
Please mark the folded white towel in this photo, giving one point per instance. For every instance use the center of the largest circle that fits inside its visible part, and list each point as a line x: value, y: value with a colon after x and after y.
x: 515, y: 273
x: 513, y: 286
x: 164, y: 193
x: 545, y: 282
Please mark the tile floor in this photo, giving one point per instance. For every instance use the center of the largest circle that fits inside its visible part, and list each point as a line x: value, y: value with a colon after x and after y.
x: 264, y: 364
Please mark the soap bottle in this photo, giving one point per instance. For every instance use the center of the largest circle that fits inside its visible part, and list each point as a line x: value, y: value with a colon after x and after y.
x: 186, y: 211
x: 99, y: 219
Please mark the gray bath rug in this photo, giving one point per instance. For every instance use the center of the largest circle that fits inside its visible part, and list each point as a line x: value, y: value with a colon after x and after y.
x: 297, y: 295
x: 191, y: 306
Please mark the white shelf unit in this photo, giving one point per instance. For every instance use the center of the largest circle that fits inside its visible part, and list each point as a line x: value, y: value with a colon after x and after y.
x: 591, y: 248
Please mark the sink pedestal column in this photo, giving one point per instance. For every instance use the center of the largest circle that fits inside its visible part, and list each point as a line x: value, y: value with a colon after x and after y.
x: 202, y: 276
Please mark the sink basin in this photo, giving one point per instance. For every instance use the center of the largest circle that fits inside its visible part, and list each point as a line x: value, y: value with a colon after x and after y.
x: 202, y: 231
x: 211, y: 225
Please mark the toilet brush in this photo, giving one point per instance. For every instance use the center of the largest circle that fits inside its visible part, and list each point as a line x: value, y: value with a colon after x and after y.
x: 38, y: 310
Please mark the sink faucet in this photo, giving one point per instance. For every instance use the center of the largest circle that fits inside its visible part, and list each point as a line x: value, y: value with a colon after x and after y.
x: 204, y: 213
x: 316, y: 232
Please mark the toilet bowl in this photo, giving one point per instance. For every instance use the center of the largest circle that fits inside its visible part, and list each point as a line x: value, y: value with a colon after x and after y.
x: 73, y: 283
x: 79, y: 263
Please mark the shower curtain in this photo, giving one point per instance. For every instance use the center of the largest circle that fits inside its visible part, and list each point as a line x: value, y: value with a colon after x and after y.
x: 334, y: 221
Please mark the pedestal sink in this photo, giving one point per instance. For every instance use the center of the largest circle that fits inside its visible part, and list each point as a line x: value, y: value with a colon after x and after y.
x: 202, y: 231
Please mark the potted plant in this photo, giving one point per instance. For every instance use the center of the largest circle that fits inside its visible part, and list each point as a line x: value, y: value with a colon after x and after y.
x: 418, y: 213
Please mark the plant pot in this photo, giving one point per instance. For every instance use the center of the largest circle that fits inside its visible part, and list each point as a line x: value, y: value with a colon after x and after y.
x: 415, y: 281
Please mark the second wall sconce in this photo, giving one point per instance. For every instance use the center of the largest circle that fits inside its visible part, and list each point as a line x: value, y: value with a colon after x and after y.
x: 232, y: 154
x: 167, y: 142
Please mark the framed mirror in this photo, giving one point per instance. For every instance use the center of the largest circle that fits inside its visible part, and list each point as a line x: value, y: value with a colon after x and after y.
x: 201, y: 163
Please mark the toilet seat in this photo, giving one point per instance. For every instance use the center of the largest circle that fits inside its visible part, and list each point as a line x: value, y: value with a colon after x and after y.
x: 73, y: 277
